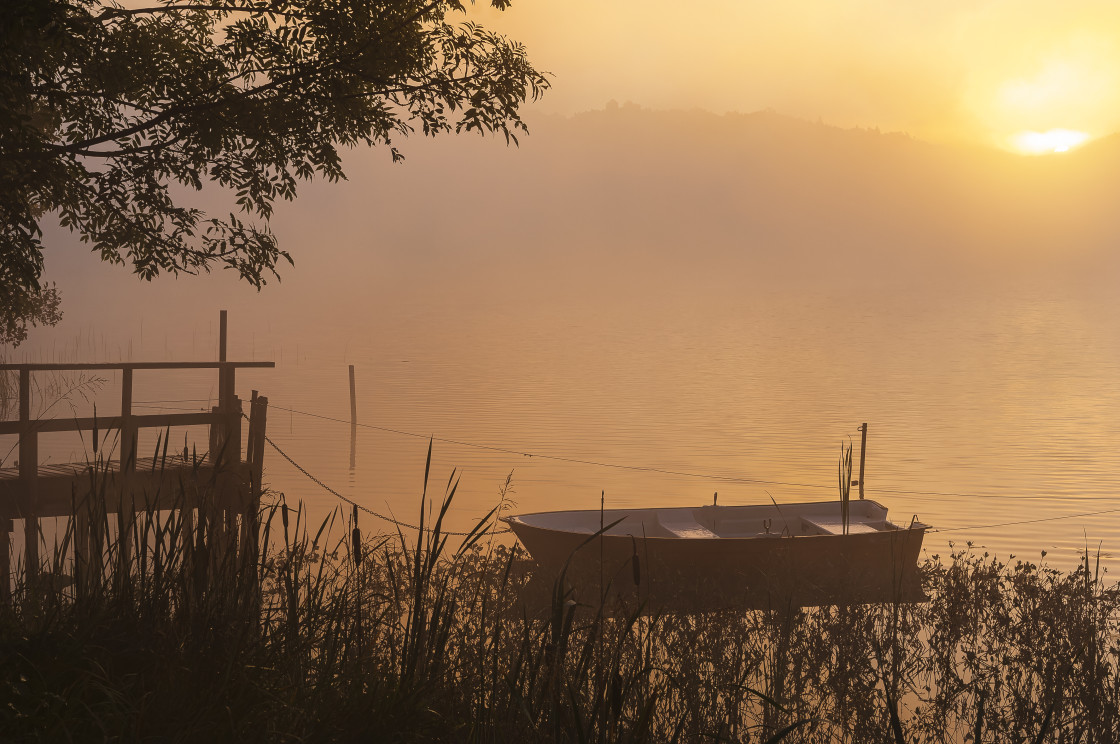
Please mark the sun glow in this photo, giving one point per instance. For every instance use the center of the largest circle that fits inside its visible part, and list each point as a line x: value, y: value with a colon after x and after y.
x: 1054, y: 140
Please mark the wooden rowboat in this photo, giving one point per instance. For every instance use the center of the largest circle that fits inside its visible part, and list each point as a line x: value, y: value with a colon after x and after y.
x: 768, y: 556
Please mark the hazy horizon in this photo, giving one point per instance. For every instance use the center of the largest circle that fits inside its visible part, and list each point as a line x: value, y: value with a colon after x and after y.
x: 971, y: 72
x: 729, y: 294
x: 762, y: 195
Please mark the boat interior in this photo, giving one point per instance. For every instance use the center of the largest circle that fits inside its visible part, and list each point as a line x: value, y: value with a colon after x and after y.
x: 770, y: 520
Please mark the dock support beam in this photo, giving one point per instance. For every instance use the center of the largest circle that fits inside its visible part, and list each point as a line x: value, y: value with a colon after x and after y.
x: 28, y: 474
x: 254, y: 456
x: 5, y: 561
x: 128, y: 434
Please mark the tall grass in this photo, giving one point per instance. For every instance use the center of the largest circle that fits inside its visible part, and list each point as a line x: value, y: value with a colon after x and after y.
x: 343, y: 633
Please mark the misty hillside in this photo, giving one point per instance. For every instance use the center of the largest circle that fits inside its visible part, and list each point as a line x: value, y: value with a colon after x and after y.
x: 637, y: 202
x: 743, y: 193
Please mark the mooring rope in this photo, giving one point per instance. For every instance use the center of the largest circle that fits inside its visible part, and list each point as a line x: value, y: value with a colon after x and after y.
x: 366, y: 509
x: 561, y: 458
x: 1023, y: 521
x: 648, y: 469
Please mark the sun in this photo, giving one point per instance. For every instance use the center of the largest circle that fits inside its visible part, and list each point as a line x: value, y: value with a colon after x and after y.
x: 1044, y: 143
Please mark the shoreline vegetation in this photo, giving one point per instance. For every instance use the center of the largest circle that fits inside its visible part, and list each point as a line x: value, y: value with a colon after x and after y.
x: 340, y: 634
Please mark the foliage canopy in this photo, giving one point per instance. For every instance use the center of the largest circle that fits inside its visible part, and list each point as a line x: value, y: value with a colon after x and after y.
x: 107, y: 112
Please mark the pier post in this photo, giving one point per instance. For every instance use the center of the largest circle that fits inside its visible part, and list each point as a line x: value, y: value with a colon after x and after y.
x: 128, y: 428
x: 353, y: 420
x: 225, y: 443
x: 126, y: 514
x: 28, y: 475
x: 222, y: 335
x: 5, y: 560
x: 254, y: 455
x: 87, y: 494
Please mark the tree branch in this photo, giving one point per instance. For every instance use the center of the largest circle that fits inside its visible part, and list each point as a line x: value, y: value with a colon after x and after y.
x: 114, y: 13
x: 155, y: 146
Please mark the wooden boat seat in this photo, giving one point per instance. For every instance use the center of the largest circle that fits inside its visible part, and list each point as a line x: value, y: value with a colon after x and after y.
x: 682, y: 524
x: 834, y: 526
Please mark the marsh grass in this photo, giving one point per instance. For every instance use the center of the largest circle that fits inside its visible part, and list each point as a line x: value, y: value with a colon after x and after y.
x: 336, y: 633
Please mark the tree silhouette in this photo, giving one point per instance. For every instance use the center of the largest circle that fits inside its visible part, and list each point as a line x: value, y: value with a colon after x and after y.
x: 106, y: 112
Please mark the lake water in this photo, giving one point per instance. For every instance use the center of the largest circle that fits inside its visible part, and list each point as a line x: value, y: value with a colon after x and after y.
x: 983, y: 408
x: 604, y: 312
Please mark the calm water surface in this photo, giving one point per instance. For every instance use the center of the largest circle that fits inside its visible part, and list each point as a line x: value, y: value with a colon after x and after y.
x: 983, y: 407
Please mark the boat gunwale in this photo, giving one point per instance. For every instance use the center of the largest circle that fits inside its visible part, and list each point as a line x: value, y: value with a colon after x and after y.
x: 914, y: 527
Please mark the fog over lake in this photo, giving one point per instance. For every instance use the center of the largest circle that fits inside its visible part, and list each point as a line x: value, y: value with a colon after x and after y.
x: 629, y: 292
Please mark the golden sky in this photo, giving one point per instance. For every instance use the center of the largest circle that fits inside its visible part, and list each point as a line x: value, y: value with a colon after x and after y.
x: 978, y: 72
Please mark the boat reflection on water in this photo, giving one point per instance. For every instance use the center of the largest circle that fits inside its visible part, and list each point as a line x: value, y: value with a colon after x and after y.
x: 774, y: 556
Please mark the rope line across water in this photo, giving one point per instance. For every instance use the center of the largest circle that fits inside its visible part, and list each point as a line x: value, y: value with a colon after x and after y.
x: 641, y: 468
x: 1023, y: 521
x: 366, y: 509
x: 561, y: 458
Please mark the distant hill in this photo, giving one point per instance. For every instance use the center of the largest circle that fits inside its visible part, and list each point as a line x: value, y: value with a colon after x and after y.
x: 751, y: 193
x: 628, y: 200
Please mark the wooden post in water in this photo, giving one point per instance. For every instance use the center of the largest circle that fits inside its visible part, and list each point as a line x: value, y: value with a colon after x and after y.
x: 28, y: 474
x: 353, y: 420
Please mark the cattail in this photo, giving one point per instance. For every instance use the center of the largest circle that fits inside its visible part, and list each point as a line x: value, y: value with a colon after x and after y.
x: 356, y: 539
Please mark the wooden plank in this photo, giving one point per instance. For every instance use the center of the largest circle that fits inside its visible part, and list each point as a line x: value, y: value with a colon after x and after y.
x: 145, y: 421
x: 73, y: 469
x: 130, y: 365
x: 57, y: 495
x: 835, y: 525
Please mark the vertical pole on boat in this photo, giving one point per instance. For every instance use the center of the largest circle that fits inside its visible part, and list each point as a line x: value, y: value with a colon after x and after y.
x: 862, y: 456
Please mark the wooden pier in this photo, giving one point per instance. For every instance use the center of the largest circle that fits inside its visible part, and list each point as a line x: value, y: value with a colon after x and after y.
x: 123, y: 482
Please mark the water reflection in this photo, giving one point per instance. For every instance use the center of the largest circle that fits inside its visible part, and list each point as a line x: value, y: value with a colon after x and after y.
x: 983, y: 409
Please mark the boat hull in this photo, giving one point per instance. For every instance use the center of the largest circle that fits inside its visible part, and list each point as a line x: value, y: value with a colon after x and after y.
x: 775, y: 571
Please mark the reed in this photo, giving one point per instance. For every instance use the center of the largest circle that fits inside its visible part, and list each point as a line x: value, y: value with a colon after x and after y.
x: 340, y: 634
x: 844, y: 473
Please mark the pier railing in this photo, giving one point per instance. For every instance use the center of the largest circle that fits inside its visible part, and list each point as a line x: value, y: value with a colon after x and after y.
x: 30, y: 495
